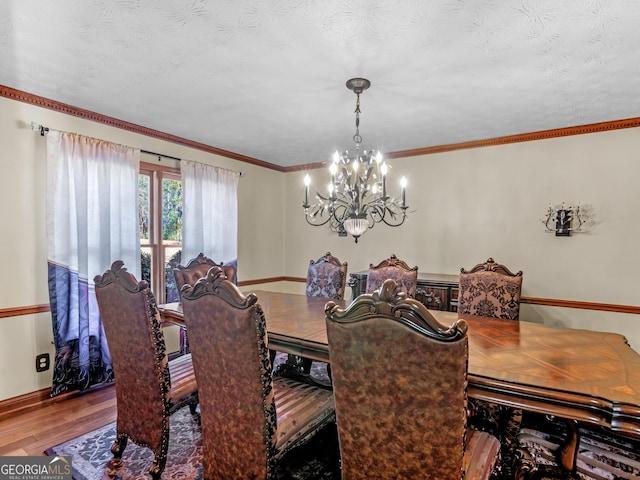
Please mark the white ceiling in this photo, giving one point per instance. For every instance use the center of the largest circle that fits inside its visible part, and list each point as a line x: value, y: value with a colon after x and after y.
x: 266, y: 79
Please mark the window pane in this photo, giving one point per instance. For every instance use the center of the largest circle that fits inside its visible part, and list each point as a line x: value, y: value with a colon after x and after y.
x: 144, y: 202
x: 171, y: 210
x: 173, y: 256
x: 171, y: 233
x: 145, y: 264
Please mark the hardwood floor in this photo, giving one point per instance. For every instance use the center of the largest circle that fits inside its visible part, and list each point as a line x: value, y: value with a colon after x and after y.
x: 33, y: 431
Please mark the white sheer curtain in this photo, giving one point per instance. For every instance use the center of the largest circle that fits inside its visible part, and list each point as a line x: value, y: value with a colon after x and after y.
x: 210, y: 212
x: 92, y: 220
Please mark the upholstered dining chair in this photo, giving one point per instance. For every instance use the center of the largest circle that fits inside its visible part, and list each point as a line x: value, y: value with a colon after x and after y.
x: 250, y: 418
x: 149, y: 388
x: 406, y: 278
x: 327, y: 278
x: 197, y: 268
x: 399, y: 380
x: 490, y: 290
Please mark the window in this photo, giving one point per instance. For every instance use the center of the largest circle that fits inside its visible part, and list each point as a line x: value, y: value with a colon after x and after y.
x: 160, y: 211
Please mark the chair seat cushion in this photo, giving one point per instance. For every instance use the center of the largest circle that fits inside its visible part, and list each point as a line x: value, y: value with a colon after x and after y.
x: 302, y: 410
x: 601, y: 454
x: 183, y: 382
x: 480, y: 455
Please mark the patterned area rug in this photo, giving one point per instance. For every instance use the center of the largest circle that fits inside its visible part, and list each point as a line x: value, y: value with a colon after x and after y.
x: 91, y: 455
x: 317, y: 459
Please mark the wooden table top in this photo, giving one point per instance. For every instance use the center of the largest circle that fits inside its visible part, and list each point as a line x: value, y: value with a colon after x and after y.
x: 588, y: 376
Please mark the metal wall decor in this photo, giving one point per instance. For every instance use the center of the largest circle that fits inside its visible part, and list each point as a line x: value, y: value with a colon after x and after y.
x: 563, y: 220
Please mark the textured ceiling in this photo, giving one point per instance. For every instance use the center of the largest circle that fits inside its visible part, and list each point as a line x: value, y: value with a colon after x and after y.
x: 266, y: 79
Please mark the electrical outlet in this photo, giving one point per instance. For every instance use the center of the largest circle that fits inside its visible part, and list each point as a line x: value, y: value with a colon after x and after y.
x: 42, y: 362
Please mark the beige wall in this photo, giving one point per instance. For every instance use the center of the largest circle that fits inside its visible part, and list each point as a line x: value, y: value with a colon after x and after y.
x: 469, y: 205
x: 23, y: 241
x: 466, y: 206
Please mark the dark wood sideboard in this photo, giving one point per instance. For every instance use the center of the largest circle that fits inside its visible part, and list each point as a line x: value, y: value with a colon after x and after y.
x: 436, y: 291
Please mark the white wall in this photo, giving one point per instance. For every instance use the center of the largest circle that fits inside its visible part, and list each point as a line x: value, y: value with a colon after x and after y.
x: 23, y: 252
x: 469, y: 205
x: 466, y: 205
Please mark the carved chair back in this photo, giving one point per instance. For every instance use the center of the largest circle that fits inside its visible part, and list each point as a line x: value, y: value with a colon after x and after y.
x: 490, y: 290
x: 197, y: 268
x: 249, y: 419
x: 399, y: 380
x: 144, y: 388
x: 326, y: 277
x: 405, y: 277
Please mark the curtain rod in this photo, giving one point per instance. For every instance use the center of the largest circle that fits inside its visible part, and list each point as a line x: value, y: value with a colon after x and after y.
x: 36, y: 127
x: 155, y: 154
x: 160, y: 155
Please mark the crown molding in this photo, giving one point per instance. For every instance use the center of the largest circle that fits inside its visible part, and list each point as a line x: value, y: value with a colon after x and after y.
x: 25, y: 97
x: 524, y: 137
x: 491, y: 142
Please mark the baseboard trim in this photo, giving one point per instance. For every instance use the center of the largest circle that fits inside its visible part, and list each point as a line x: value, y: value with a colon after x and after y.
x: 28, y: 310
x: 39, y: 399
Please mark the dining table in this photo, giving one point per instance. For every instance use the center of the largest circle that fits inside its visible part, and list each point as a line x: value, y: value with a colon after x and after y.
x: 577, y: 375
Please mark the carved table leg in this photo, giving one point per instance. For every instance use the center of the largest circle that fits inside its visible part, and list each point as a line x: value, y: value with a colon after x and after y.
x: 568, y: 453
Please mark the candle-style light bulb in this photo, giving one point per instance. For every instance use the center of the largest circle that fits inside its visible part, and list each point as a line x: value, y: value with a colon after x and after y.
x: 383, y: 172
x: 378, y: 157
x: 403, y: 184
x: 333, y: 169
x: 307, y: 182
x: 336, y: 157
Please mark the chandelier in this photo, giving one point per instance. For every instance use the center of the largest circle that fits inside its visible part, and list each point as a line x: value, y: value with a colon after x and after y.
x: 357, y: 194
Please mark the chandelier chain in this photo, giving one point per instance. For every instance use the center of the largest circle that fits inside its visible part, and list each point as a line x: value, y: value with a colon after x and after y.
x: 357, y: 138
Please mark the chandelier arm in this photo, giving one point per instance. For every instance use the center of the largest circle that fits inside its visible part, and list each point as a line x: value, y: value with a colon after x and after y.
x: 395, y: 224
x: 377, y: 212
x: 316, y: 224
x: 339, y: 213
x: 383, y: 212
x: 398, y: 216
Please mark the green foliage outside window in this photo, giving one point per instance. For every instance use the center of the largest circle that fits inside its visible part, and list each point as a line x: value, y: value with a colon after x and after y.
x: 143, y: 206
x: 172, y: 210
x: 145, y: 266
x: 172, y: 290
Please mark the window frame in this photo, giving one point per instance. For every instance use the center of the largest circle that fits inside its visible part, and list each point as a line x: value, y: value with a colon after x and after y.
x: 157, y: 173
